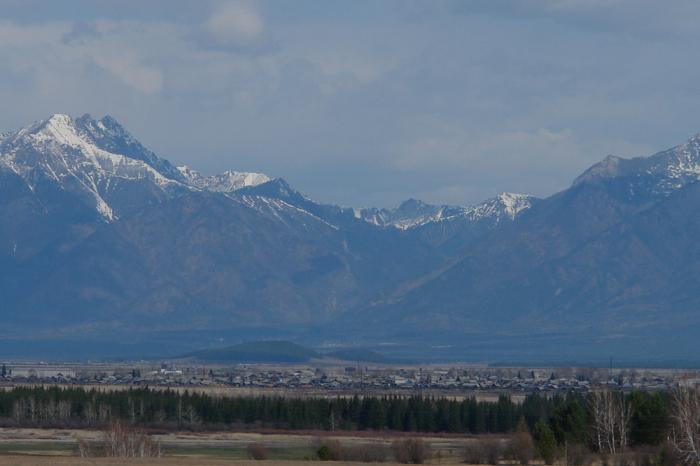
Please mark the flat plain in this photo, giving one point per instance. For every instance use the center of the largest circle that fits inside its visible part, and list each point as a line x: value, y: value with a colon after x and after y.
x: 59, y: 446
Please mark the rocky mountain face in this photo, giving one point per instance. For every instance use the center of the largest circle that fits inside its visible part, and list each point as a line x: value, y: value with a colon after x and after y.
x: 414, y: 213
x: 101, y: 235
x: 659, y: 175
x: 101, y: 239
x: 225, y: 182
x: 610, y: 262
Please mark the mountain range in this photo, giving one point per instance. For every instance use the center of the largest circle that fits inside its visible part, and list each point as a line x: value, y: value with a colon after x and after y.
x: 104, y: 244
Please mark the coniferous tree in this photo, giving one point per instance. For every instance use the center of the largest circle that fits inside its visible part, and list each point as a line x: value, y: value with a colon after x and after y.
x: 569, y: 421
x: 545, y: 442
x: 650, y: 418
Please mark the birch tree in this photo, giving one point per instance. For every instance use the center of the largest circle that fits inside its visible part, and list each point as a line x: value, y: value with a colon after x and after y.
x: 685, y: 434
x: 611, y: 421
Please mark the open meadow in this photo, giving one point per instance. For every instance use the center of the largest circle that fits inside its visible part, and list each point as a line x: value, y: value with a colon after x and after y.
x: 61, y: 446
x: 176, y: 461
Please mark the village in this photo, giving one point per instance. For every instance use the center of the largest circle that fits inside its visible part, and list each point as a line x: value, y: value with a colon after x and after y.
x: 346, y: 379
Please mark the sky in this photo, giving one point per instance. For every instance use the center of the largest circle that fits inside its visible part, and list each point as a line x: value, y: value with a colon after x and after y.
x: 367, y: 102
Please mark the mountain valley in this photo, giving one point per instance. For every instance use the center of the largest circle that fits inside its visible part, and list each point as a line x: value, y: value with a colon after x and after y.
x: 102, y: 238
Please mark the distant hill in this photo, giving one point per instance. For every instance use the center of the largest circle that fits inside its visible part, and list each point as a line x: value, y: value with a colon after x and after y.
x: 279, y: 351
x: 257, y: 351
x: 360, y: 355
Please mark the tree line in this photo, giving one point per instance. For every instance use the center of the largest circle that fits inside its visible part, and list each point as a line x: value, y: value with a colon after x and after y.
x: 570, y: 417
x: 607, y: 422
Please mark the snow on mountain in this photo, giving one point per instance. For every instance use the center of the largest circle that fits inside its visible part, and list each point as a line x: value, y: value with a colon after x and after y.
x: 91, y: 157
x: 669, y: 170
x: 505, y: 206
x: 677, y: 166
x: 109, y: 135
x: 99, y: 161
x: 62, y: 151
x: 104, y: 167
x: 225, y: 182
x: 407, y: 215
x: 414, y: 213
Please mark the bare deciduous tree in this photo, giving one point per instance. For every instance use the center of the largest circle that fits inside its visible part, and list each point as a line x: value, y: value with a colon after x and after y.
x: 191, y: 415
x: 83, y: 448
x: 410, y: 451
x: 685, y: 435
x: 125, y: 442
x: 611, y: 420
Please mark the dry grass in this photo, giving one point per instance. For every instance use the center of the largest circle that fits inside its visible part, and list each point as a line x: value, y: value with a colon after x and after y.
x: 59, y: 461
x: 211, y: 447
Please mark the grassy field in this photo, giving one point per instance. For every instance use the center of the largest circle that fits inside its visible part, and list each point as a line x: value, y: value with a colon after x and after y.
x: 64, y: 461
x: 44, y: 447
x: 34, y: 446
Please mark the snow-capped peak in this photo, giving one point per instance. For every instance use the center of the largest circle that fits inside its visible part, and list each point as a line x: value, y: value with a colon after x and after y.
x: 659, y: 174
x: 505, y: 206
x: 92, y: 158
x: 97, y: 159
x: 514, y: 203
x: 414, y: 213
x: 58, y: 128
x: 225, y: 182
x: 81, y: 158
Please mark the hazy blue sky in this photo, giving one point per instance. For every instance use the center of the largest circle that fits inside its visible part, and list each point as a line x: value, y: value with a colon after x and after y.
x: 367, y: 102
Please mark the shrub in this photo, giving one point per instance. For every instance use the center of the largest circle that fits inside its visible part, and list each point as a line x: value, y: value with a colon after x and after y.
x: 83, y: 448
x: 643, y: 456
x: 487, y: 450
x: 324, y: 453
x: 333, y: 450
x: 410, y: 451
x: 364, y: 453
x: 125, y: 442
x: 330, y: 450
x: 521, y: 447
x: 577, y: 455
x: 667, y: 456
x: 493, y: 448
x: 256, y: 451
x: 474, y: 453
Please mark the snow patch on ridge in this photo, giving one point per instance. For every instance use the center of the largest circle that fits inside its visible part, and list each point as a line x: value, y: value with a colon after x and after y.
x: 413, y: 213
x: 670, y: 170
x: 225, y: 182
x: 87, y: 157
x: 56, y: 148
x: 505, y: 205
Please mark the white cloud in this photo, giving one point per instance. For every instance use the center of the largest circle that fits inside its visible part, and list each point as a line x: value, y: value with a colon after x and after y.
x: 127, y: 67
x: 539, y: 161
x: 44, y: 50
x: 364, y: 107
x: 235, y: 24
x: 640, y: 18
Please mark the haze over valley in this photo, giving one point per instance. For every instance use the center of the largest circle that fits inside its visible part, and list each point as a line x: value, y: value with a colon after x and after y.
x: 103, y: 239
x: 284, y: 232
